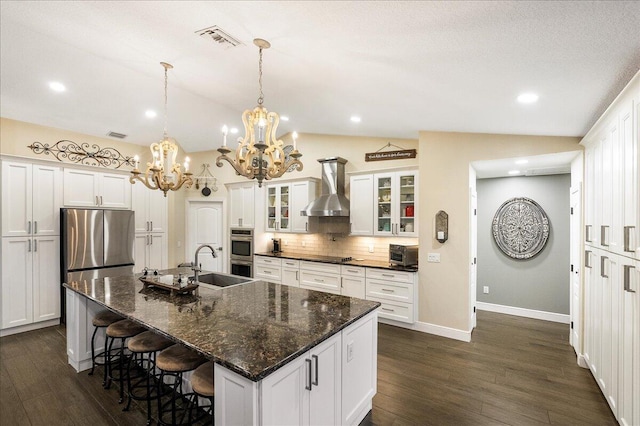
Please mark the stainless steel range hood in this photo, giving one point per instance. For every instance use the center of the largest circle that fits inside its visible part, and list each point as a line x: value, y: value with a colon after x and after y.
x: 332, y: 202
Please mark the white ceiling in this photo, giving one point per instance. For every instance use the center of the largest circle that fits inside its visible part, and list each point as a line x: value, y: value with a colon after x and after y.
x: 536, y: 165
x: 402, y: 66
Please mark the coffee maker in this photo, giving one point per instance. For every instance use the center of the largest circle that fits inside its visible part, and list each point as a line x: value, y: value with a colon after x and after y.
x: 277, y: 245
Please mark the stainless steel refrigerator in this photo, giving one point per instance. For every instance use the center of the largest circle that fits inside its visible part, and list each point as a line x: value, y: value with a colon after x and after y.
x: 95, y: 243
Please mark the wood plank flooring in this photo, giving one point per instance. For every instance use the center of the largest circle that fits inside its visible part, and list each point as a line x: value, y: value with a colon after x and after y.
x: 516, y: 371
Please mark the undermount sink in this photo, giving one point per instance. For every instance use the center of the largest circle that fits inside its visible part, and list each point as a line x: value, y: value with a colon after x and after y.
x: 221, y: 280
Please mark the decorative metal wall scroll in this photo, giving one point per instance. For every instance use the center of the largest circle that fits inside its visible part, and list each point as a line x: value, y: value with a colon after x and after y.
x: 521, y: 228
x: 81, y: 153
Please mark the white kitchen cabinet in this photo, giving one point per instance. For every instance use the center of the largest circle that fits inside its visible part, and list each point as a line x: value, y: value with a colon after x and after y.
x: 302, y: 193
x: 630, y: 178
x: 353, y: 281
x: 308, y: 390
x: 241, y: 204
x: 31, y: 286
x: 285, y: 201
x: 291, y: 272
x: 267, y: 268
x: 320, y: 276
x: 150, y: 207
x: 150, y: 251
x: 31, y: 199
x: 396, y: 205
x: 85, y: 188
x: 361, y: 195
x: 629, y: 361
x: 396, y: 291
x: 611, y: 290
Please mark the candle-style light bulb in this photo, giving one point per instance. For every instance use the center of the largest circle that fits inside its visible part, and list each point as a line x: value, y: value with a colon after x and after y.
x: 186, y: 164
x: 294, y: 135
x: 225, y: 129
x: 136, y: 159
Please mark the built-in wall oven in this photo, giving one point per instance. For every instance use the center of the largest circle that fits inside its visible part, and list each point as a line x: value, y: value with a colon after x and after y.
x: 241, y: 258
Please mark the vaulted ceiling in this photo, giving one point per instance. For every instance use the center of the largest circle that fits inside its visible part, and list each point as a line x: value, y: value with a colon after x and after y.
x: 400, y: 66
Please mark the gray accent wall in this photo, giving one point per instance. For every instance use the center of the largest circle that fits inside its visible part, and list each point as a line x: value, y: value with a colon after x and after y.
x: 540, y: 283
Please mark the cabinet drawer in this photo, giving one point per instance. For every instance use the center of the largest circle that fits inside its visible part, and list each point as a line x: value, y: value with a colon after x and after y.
x: 386, y: 275
x: 268, y: 273
x: 402, y: 312
x: 352, y: 271
x: 327, y: 268
x: 320, y: 281
x: 290, y: 263
x: 390, y: 291
x: 267, y: 261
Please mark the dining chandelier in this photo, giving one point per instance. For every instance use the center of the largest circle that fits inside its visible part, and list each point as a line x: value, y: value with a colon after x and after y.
x: 163, y: 172
x: 260, y: 155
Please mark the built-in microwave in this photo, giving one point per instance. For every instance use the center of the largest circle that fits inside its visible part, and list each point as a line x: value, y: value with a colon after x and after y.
x: 402, y: 255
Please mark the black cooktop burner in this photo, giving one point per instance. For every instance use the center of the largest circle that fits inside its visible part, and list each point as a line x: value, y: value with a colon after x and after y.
x: 329, y: 259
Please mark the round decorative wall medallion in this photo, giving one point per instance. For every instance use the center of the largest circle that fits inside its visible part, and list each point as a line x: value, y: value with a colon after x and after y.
x: 520, y: 228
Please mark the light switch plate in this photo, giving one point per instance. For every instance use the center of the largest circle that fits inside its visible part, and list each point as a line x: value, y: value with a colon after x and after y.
x: 433, y: 257
x: 485, y: 289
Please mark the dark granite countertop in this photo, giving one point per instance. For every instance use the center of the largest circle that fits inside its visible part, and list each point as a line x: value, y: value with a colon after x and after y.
x: 252, y: 329
x: 324, y: 259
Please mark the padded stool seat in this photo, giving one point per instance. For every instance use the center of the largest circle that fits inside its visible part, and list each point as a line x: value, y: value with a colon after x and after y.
x: 102, y: 319
x: 178, y: 359
x: 202, y: 380
x: 106, y: 318
x: 123, y: 329
x: 148, y: 341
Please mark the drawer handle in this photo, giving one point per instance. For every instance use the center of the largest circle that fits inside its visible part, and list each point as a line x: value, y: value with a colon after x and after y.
x: 587, y: 258
x: 387, y: 309
x: 388, y: 275
x: 318, y: 280
x: 266, y: 261
x: 351, y: 270
x: 604, y: 235
x: 388, y: 290
x: 602, y: 264
x: 587, y: 233
x: 627, y: 238
x: 267, y: 272
x: 627, y: 278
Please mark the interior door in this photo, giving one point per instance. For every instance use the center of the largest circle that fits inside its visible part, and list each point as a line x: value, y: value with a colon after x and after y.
x: 473, y: 255
x: 204, y: 226
x: 575, y: 239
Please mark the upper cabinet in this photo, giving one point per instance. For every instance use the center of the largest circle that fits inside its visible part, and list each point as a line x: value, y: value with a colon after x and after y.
x: 361, y: 200
x: 84, y: 188
x: 150, y: 207
x: 241, y: 204
x: 285, y: 202
x: 395, y: 204
x: 31, y: 199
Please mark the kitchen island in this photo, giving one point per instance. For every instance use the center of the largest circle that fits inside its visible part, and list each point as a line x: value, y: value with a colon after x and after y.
x: 283, y: 355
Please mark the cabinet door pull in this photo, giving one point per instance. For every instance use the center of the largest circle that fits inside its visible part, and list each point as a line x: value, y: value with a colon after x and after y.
x: 306, y: 226
x: 627, y: 278
x: 35, y: 245
x: 604, y: 240
x: 587, y: 258
x: 315, y: 358
x: 307, y: 385
x: 387, y: 310
x: 341, y: 283
x: 388, y: 290
x: 602, y: 263
x: 101, y: 200
x: 239, y: 221
x: 35, y: 227
x: 29, y: 227
x: 318, y: 280
x: 29, y: 249
x: 266, y: 272
x: 97, y: 204
x: 627, y: 238
x: 151, y: 240
x: 297, y: 276
x: 388, y: 275
x: 151, y: 226
x: 587, y: 233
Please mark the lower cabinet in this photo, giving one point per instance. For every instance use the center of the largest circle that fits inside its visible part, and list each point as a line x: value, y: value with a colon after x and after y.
x: 31, y: 285
x: 306, y: 391
x: 320, y: 276
x: 629, y: 352
x: 291, y: 272
x: 353, y: 281
x: 150, y: 251
x: 396, y: 291
x: 267, y: 268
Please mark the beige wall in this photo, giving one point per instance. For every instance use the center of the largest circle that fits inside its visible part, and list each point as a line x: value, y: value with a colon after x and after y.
x: 444, y: 185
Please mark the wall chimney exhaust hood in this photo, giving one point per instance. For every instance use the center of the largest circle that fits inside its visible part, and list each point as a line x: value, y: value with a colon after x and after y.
x: 332, y: 202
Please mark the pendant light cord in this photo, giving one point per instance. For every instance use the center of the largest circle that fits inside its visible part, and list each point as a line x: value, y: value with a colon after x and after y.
x: 261, y: 97
x: 165, y: 101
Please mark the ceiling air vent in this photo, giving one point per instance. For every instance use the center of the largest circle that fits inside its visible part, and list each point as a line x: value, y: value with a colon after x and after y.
x: 218, y: 35
x: 117, y: 135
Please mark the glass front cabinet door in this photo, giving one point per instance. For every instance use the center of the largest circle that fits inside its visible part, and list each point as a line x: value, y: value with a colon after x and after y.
x: 396, y: 204
x: 278, y: 207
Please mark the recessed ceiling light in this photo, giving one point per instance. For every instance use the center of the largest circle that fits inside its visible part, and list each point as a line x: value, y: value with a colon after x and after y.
x: 527, y: 98
x: 522, y: 161
x: 514, y: 172
x: 150, y: 113
x: 284, y: 118
x: 355, y: 119
x: 234, y: 130
x: 57, y: 86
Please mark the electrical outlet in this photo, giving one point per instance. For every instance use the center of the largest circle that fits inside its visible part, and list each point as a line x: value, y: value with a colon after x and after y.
x: 286, y: 242
x: 433, y: 257
x: 179, y: 244
x: 370, y: 248
x: 485, y: 289
x: 349, y: 351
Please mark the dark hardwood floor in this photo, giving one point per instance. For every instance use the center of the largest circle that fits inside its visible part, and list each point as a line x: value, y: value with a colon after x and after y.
x: 515, y: 371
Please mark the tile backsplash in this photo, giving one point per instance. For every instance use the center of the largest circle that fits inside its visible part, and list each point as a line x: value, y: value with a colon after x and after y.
x: 343, y: 246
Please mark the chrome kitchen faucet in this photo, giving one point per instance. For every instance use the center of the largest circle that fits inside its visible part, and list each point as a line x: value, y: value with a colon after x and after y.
x: 195, y: 267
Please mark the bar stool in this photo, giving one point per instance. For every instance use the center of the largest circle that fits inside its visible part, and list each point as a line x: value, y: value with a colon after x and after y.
x: 146, y: 343
x: 103, y: 319
x: 122, y: 330
x: 202, y: 385
x: 173, y: 362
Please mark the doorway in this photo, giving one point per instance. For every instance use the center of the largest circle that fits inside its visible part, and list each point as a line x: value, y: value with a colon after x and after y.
x: 205, y: 226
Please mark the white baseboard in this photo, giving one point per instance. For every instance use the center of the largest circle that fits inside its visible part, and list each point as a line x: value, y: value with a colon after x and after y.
x: 522, y: 312
x: 438, y: 330
x: 582, y: 362
x: 29, y: 327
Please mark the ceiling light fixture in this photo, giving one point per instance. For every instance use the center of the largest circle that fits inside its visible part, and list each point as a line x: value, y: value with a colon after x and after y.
x: 57, y: 87
x: 259, y: 155
x: 514, y: 172
x: 284, y: 118
x: 150, y: 113
x: 356, y: 119
x: 163, y: 172
x: 522, y: 161
x: 233, y: 130
x: 527, y: 98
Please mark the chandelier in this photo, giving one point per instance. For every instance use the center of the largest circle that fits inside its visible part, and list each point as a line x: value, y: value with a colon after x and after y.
x: 163, y: 172
x: 260, y: 155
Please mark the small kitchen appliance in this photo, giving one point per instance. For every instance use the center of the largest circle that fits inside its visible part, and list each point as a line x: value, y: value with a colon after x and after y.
x: 277, y: 245
x: 241, y: 259
x: 403, y: 255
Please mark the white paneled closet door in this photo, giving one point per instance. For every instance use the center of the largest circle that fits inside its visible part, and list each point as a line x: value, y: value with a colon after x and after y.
x: 204, y: 226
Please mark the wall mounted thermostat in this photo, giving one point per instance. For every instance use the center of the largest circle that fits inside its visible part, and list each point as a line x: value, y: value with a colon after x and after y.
x: 442, y: 226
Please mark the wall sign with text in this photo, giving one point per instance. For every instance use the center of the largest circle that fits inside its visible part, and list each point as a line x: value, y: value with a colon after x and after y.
x: 402, y: 154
